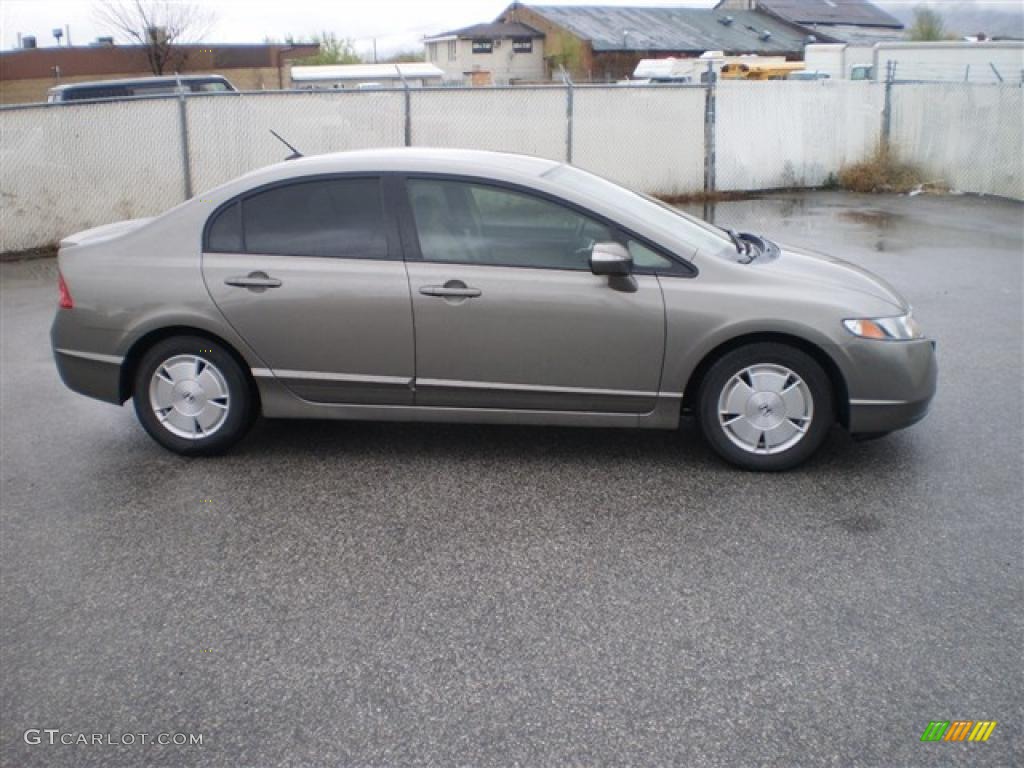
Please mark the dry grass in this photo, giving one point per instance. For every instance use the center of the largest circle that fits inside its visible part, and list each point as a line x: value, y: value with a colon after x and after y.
x: 42, y: 252
x: 705, y: 197
x: 881, y: 172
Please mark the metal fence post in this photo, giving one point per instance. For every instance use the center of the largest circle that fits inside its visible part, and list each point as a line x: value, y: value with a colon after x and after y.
x: 408, y: 106
x: 890, y: 76
x: 568, y: 112
x: 186, y: 163
x: 408, y: 117
x: 710, y: 107
x: 568, y: 121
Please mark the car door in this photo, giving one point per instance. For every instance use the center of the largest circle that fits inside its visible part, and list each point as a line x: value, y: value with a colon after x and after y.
x: 508, y: 314
x: 310, y: 274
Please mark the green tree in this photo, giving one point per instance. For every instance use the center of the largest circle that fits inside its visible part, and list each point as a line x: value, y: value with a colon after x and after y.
x: 566, y: 51
x: 928, y: 25
x: 404, y: 56
x: 333, y: 50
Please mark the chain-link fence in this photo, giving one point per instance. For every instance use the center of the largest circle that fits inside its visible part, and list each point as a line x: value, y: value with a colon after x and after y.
x: 66, y: 167
x: 771, y: 135
x: 967, y: 137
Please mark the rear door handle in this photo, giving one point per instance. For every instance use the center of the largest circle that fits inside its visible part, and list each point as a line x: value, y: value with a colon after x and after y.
x: 453, y: 289
x: 256, y: 281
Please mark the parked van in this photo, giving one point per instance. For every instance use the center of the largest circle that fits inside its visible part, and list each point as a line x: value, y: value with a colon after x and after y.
x: 142, y: 86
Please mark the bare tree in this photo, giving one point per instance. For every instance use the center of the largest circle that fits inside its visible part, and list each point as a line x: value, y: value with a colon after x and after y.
x: 159, y: 26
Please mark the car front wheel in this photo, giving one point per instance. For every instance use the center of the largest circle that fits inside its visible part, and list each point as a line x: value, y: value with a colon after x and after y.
x: 191, y: 396
x: 766, y: 406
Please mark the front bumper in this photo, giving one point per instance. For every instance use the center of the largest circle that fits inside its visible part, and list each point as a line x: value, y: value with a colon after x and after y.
x: 892, y: 384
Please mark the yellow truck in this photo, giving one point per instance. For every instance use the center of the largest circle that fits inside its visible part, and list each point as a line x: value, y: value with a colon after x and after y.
x: 740, y: 70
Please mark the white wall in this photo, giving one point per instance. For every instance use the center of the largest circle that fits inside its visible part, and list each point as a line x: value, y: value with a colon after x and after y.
x: 230, y: 135
x: 952, y: 61
x: 527, y: 120
x: 64, y: 168
x: 775, y: 134
x: 969, y: 137
x: 648, y: 138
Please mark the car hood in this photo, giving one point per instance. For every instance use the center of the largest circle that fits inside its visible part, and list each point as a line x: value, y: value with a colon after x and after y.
x: 825, y: 271
x: 104, y: 232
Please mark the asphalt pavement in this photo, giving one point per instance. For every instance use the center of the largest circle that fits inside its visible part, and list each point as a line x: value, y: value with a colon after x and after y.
x: 360, y: 594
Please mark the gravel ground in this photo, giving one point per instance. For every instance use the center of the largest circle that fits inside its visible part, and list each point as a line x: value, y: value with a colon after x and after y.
x: 382, y: 594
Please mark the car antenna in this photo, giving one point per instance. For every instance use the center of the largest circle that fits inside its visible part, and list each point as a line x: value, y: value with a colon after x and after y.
x: 295, y: 153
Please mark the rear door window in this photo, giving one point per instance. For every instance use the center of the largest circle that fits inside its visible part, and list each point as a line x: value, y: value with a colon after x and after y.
x: 339, y: 218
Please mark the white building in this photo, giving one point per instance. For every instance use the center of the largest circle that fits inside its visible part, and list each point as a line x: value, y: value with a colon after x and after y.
x: 338, y: 76
x: 488, y: 54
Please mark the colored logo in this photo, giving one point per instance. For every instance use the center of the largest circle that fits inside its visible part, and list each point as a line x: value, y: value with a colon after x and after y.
x: 958, y: 730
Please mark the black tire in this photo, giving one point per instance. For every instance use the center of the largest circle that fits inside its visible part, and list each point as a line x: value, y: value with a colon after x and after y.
x: 722, y: 375
x: 237, y: 400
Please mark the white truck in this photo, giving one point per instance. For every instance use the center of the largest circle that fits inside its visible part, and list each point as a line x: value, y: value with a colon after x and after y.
x: 980, y: 62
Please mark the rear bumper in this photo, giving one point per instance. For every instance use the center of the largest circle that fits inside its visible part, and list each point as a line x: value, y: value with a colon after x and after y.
x: 88, y: 373
x: 897, y: 381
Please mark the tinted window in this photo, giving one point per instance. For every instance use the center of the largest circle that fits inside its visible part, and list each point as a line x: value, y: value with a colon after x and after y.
x: 152, y: 89
x: 212, y: 86
x: 480, y: 224
x: 225, y: 233
x: 99, y: 92
x: 332, y: 217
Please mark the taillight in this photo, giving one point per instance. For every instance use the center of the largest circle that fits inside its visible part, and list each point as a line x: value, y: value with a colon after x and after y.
x: 66, y: 302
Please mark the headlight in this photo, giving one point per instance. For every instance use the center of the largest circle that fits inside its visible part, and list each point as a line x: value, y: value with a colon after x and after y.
x: 901, y: 328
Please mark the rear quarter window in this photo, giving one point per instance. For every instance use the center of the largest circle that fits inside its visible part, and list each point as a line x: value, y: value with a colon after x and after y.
x: 225, y: 233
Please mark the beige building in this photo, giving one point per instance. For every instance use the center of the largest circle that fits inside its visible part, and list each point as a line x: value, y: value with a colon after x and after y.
x: 488, y: 54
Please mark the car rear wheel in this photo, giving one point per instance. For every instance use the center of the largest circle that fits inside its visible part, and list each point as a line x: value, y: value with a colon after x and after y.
x: 766, y: 406
x: 191, y: 396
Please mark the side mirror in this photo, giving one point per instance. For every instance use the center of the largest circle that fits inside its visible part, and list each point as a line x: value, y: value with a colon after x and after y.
x: 610, y: 259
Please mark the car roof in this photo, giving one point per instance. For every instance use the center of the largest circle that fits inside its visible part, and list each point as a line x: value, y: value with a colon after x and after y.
x: 458, y: 162
x: 156, y: 80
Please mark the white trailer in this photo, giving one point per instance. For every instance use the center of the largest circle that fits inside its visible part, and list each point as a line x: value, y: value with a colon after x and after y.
x: 979, y: 62
x: 840, y: 61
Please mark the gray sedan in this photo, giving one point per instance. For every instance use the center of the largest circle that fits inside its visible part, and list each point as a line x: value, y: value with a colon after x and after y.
x: 432, y: 285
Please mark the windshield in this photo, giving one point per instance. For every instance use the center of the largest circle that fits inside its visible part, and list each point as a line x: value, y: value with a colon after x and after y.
x: 698, y: 234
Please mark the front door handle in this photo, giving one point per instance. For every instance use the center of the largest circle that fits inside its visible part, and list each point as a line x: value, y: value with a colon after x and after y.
x: 254, y: 281
x: 453, y: 289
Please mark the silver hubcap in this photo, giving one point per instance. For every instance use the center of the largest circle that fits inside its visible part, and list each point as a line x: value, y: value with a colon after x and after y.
x: 189, y: 396
x: 765, y: 409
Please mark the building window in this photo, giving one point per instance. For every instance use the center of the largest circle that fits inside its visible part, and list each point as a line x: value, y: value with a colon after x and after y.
x: 522, y: 45
x: 452, y: 49
x: 483, y: 46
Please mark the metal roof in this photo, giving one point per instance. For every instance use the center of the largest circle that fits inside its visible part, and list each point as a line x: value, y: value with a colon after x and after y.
x: 497, y: 30
x: 628, y: 28
x: 856, y: 12
x: 858, y: 35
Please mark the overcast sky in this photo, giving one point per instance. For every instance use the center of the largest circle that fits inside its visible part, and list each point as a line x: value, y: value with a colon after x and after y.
x: 397, y: 24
